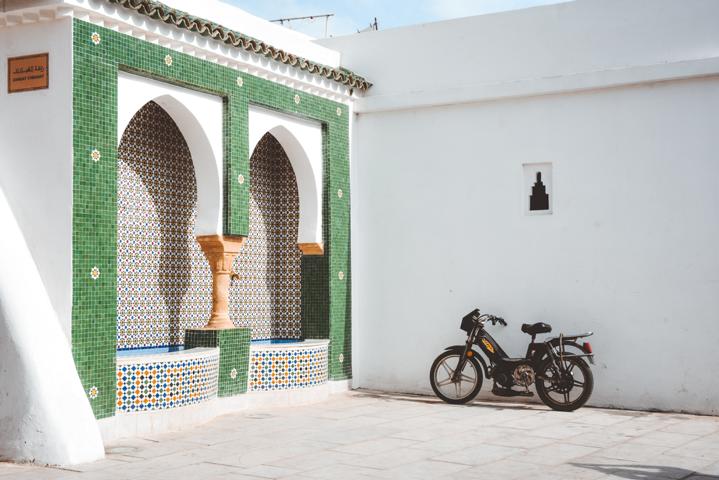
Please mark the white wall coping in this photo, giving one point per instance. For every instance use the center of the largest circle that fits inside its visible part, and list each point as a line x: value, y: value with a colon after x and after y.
x: 177, y: 356
x: 139, y: 26
x: 299, y: 345
x: 276, y: 35
x: 531, y: 87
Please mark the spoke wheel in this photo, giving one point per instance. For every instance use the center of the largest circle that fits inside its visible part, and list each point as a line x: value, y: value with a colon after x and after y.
x: 467, y: 385
x: 566, y: 388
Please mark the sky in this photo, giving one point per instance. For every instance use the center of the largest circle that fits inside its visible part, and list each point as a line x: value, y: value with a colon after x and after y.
x: 353, y: 15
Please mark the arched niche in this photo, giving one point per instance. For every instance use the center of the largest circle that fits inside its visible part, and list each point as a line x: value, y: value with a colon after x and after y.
x: 199, y: 117
x: 302, y: 142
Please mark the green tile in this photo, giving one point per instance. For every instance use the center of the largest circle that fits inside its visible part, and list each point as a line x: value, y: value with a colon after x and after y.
x: 234, y: 345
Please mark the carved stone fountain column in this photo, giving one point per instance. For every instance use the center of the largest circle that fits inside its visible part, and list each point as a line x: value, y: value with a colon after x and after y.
x: 220, y: 251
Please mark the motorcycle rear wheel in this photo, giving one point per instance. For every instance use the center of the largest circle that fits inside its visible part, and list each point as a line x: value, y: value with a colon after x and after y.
x: 462, y: 391
x: 565, y: 392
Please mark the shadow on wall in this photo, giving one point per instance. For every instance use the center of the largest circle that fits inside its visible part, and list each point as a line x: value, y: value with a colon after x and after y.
x: 268, y: 294
x: 157, y: 199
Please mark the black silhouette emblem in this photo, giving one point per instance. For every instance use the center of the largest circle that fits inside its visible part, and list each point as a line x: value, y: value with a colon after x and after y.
x: 539, y: 199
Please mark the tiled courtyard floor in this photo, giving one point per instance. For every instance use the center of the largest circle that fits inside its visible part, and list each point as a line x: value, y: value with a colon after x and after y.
x: 363, y: 434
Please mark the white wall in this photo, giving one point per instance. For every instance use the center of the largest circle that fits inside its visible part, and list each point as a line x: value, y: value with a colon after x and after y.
x: 45, y: 416
x: 36, y: 156
x: 629, y: 251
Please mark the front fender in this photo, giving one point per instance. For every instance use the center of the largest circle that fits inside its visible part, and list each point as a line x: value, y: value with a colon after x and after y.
x: 460, y: 349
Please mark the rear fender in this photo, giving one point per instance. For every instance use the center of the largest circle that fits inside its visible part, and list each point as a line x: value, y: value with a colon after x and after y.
x: 554, y: 342
x: 460, y: 349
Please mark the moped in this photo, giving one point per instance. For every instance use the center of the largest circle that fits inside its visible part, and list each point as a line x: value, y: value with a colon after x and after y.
x: 555, y: 366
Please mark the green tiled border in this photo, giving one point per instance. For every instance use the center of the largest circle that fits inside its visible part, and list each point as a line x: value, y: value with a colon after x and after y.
x: 98, y: 55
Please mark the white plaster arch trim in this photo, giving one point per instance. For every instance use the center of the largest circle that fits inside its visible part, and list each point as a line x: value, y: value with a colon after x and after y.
x: 302, y: 142
x: 199, y: 117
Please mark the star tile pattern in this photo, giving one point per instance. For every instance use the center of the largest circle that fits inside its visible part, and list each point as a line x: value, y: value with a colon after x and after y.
x: 267, y: 297
x: 164, y: 284
x: 155, y: 385
x: 287, y: 368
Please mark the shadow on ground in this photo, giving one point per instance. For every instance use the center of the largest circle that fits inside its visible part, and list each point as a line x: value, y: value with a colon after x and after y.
x: 645, y: 472
x: 425, y: 400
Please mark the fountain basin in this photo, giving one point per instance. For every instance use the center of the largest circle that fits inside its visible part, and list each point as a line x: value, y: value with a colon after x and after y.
x: 157, y: 379
x: 286, y: 365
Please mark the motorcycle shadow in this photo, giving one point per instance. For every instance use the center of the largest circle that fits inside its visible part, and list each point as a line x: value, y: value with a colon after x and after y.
x: 479, y: 402
x: 644, y: 472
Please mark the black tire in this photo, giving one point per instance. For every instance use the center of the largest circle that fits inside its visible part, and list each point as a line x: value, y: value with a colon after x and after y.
x: 558, y: 387
x: 439, y: 366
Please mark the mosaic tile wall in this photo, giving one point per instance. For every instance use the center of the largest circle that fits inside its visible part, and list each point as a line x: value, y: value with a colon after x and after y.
x: 174, y: 380
x: 98, y: 55
x: 164, y: 283
x: 267, y: 296
x: 286, y: 367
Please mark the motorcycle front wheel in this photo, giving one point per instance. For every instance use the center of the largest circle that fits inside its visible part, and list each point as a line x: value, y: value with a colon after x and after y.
x: 565, y: 389
x: 465, y: 388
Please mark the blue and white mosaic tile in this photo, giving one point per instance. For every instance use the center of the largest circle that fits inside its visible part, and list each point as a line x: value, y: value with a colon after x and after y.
x: 160, y: 381
x: 288, y: 366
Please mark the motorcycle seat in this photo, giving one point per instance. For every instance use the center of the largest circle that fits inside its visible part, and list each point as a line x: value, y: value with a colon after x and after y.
x: 536, y: 328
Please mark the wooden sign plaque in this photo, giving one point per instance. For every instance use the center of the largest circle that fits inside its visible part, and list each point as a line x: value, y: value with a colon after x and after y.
x: 30, y: 72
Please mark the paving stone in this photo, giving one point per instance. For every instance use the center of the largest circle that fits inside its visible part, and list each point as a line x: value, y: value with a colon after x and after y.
x: 506, y: 469
x: 268, y: 471
x: 634, y: 452
x: 361, y: 435
x: 479, y: 455
x: 423, y: 469
x: 390, y: 459
x: 555, y: 454
x: 666, y: 439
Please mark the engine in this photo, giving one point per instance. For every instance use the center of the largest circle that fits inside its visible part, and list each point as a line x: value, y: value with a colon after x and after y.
x: 523, y: 375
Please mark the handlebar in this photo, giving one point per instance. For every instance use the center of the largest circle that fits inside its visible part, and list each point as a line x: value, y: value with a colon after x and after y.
x: 495, y: 320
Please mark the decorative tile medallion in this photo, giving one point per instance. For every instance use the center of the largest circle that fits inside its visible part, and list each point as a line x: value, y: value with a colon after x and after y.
x: 160, y: 381
x: 240, y: 82
x: 168, y: 60
x: 95, y: 38
x: 297, y: 99
x: 339, y: 111
x: 341, y: 275
x: 267, y: 295
x: 283, y: 367
x: 95, y: 273
x: 340, y: 193
x: 95, y: 155
x: 241, y: 179
x: 92, y: 393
